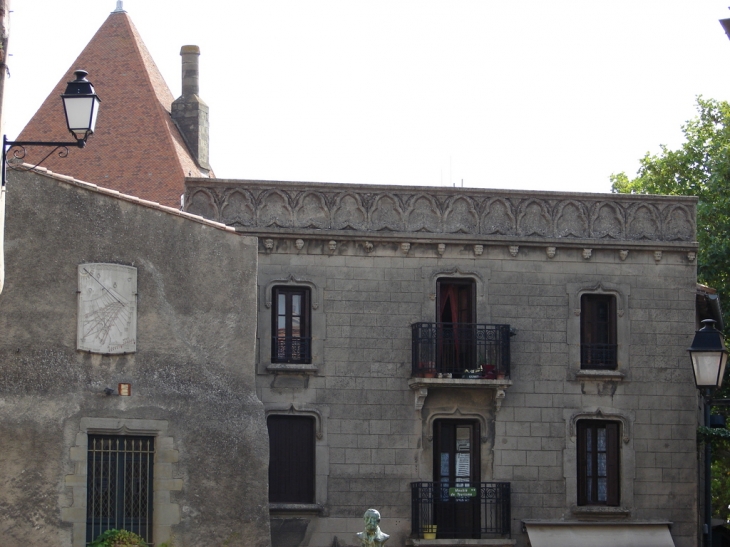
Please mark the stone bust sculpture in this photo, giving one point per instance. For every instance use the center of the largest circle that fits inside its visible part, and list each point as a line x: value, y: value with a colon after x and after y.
x: 372, y: 536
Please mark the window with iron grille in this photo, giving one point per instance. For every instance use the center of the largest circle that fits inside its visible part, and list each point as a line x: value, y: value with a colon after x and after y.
x: 598, y: 462
x: 290, y: 329
x: 119, y: 485
x: 291, y: 459
x: 598, y: 331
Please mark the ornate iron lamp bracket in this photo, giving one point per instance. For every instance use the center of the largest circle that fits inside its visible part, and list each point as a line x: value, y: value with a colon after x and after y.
x: 18, y: 152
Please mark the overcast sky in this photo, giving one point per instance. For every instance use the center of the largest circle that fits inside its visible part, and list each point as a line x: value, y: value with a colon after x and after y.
x: 502, y: 94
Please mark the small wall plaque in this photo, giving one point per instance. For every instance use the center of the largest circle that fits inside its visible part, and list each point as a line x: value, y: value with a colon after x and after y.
x: 125, y: 390
x: 107, y: 309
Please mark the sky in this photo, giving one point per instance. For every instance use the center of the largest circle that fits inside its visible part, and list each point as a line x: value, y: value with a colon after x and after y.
x: 517, y: 94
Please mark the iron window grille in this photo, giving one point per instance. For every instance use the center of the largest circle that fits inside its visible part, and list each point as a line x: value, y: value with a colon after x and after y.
x: 119, y: 485
x: 598, y: 462
x: 598, y: 344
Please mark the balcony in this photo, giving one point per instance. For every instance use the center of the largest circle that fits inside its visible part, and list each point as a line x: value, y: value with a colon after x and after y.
x: 461, y: 510
x: 460, y: 350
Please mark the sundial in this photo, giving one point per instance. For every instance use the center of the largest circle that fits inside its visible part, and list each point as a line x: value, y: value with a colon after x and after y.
x: 107, y: 313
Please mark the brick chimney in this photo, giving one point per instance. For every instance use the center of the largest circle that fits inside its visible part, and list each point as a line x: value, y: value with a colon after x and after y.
x: 189, y: 112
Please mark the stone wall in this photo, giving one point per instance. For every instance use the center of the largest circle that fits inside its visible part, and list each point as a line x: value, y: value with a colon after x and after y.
x: 376, y: 441
x: 371, y: 255
x: 191, y: 376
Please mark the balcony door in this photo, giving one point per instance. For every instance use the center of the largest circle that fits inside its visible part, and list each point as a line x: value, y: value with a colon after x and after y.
x: 456, y: 315
x: 456, y: 470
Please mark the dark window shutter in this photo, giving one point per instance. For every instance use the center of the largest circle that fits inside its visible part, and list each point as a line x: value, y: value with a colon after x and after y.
x: 612, y: 460
x: 582, y: 464
x: 291, y: 459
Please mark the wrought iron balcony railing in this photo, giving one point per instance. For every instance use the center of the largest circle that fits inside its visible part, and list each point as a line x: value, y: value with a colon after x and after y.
x: 462, y: 350
x: 598, y: 356
x: 461, y: 509
x: 291, y: 349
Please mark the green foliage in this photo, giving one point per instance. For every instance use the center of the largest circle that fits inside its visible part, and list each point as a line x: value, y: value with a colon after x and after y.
x: 700, y: 167
x: 118, y: 538
x: 719, y: 438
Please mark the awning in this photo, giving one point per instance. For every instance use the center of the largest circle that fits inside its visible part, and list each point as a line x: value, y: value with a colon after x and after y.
x: 579, y: 534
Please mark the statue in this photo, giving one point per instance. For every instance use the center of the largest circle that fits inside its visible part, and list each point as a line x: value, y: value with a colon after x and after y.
x: 372, y: 536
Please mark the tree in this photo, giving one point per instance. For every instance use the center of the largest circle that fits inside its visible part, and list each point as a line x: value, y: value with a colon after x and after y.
x: 700, y: 167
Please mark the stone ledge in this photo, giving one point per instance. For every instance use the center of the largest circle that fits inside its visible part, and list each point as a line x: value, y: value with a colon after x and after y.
x: 295, y: 508
x: 600, y: 375
x: 600, y: 511
x: 292, y: 369
x: 470, y: 542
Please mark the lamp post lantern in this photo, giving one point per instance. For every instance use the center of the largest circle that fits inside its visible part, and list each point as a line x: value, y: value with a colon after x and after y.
x: 709, y: 357
x: 80, y: 105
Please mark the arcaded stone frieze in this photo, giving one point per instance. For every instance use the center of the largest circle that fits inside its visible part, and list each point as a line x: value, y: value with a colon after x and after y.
x: 382, y: 210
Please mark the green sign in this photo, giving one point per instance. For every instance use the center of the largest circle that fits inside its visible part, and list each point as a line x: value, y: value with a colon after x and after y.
x: 470, y: 492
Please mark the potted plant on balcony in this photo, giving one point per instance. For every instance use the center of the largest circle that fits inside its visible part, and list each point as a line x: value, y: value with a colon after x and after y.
x: 473, y: 373
x: 429, y: 531
x: 427, y: 369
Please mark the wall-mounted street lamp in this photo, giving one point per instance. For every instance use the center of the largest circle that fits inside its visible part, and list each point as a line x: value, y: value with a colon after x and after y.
x: 709, y: 357
x: 81, y: 105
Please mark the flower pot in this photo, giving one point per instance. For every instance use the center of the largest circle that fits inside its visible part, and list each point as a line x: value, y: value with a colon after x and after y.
x: 429, y: 531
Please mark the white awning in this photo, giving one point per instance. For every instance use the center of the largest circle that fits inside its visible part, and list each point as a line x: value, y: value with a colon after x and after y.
x: 599, y: 535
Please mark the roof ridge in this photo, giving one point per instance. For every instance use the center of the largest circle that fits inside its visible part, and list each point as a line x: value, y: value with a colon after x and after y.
x: 27, y: 167
x: 157, y: 87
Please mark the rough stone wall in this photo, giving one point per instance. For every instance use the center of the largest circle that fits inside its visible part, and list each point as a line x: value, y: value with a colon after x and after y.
x: 192, y: 374
x: 374, y: 440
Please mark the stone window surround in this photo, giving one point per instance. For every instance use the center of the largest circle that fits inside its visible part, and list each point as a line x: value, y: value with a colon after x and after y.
x: 627, y: 461
x: 317, y: 325
x: 321, y: 457
x: 165, y: 514
x: 623, y: 330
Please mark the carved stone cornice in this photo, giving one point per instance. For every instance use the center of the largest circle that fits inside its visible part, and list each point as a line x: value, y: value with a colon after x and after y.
x: 442, y: 214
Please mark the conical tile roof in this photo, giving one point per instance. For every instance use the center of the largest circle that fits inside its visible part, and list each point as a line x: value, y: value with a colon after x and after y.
x: 136, y: 148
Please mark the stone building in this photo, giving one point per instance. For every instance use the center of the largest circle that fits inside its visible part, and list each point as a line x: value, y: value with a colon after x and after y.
x: 509, y: 367
x: 556, y: 326
x: 127, y: 396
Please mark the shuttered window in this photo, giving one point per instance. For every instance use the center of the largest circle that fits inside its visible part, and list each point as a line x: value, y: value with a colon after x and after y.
x: 598, y: 462
x: 291, y: 460
x: 598, y: 342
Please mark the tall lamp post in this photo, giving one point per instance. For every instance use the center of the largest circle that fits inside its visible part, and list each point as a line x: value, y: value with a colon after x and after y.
x: 709, y: 357
x: 81, y: 105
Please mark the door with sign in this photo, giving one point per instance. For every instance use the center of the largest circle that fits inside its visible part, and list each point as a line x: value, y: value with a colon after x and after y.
x: 456, y: 474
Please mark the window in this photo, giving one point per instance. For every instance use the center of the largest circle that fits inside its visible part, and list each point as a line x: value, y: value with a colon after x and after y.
x: 598, y: 331
x: 290, y: 331
x: 119, y: 485
x: 598, y: 462
x: 291, y: 460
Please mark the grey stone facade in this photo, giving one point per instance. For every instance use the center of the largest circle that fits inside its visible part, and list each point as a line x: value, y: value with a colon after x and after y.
x: 191, y: 375
x: 371, y: 257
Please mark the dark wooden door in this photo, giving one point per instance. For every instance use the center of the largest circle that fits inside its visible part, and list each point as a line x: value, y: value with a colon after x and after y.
x: 457, y: 474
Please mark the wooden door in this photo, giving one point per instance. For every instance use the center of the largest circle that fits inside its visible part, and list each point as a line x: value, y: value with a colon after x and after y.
x: 457, y: 474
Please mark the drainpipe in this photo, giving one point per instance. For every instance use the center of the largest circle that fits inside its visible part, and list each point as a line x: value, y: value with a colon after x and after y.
x: 4, y: 33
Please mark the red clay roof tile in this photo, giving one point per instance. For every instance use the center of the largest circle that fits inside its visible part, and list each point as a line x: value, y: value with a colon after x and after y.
x: 136, y: 148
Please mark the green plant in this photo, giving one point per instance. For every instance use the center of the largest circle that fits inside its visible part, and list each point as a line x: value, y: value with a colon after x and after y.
x: 118, y: 538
